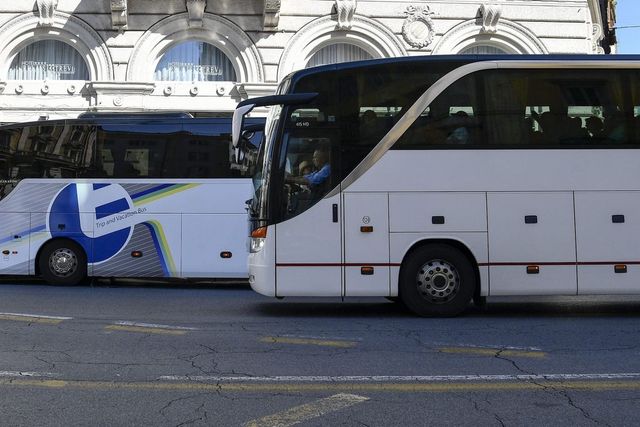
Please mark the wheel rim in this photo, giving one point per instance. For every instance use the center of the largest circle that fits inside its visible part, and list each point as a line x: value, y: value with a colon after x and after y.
x: 438, y: 281
x: 63, y: 262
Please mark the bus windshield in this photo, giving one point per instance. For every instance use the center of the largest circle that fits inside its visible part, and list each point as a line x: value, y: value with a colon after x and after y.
x: 261, y: 172
x: 311, y: 147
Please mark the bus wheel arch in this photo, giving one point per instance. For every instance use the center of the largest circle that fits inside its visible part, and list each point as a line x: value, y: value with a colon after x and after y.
x: 61, y: 261
x: 455, y: 255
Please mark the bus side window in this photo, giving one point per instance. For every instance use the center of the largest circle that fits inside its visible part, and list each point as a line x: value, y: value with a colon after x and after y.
x: 202, y: 151
x: 136, y: 150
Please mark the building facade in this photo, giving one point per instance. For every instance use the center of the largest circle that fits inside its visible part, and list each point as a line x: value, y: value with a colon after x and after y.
x: 60, y: 58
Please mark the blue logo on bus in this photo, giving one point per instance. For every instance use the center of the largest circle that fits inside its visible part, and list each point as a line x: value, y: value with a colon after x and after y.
x: 94, y: 207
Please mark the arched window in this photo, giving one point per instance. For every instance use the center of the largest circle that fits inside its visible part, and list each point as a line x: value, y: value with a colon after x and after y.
x: 336, y: 53
x: 48, y: 60
x: 195, y: 61
x: 483, y: 50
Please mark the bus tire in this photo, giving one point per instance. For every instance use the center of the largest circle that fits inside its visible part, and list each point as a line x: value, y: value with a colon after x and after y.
x: 437, y: 280
x: 63, y: 262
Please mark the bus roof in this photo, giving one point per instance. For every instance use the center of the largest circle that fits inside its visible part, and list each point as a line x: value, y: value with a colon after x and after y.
x: 144, y: 115
x: 462, y: 59
x: 138, y: 118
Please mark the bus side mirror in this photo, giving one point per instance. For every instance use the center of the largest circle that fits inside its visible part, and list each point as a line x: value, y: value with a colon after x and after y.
x: 238, y: 121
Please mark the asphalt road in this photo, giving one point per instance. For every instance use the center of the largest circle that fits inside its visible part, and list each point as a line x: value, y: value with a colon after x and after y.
x: 210, y: 355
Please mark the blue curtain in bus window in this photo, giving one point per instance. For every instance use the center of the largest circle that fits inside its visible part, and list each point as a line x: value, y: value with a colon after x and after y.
x: 48, y: 60
x: 483, y: 50
x: 337, y: 53
x: 195, y: 61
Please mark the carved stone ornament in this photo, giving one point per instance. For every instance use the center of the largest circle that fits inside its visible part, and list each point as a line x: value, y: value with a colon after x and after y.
x: 597, y: 35
x: 490, y: 15
x: 119, y: 14
x: 46, y: 9
x: 417, y: 29
x: 196, y: 12
x: 345, y: 9
x: 271, y: 14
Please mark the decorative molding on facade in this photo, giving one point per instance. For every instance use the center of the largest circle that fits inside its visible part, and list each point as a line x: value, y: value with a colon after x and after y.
x: 119, y: 14
x: 24, y: 29
x: 366, y: 33
x: 345, y: 9
x: 271, y: 14
x: 597, y: 36
x: 3, y: 86
x: 46, y: 10
x: 490, y: 15
x: 510, y: 37
x: 216, y: 30
x: 195, y: 9
x: 417, y: 28
x: 118, y: 95
x: 597, y: 25
x: 252, y: 90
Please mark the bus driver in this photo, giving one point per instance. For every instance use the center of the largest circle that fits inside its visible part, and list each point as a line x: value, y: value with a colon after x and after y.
x: 320, y: 177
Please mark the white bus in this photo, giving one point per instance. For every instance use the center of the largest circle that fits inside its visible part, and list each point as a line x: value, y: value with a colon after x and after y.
x: 451, y: 179
x: 136, y: 195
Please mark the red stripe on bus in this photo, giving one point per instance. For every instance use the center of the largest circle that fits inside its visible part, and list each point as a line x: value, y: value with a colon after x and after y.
x: 516, y: 264
x: 374, y: 264
x: 480, y: 264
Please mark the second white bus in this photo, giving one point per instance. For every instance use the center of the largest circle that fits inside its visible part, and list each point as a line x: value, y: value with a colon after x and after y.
x: 451, y: 179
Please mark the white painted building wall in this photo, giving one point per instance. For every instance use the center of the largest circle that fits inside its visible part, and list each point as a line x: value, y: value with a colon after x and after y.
x: 122, y: 42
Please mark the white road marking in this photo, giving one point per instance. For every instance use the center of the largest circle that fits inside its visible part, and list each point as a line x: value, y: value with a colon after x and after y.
x: 317, y: 337
x: 308, y: 411
x: 403, y: 378
x: 25, y: 374
x: 36, y: 316
x: 492, y: 347
x: 153, y: 325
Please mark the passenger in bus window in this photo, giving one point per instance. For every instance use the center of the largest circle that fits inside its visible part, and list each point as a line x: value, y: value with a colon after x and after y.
x: 595, y: 126
x: 614, y: 125
x: 372, y: 128
x: 305, y: 168
x: 573, y: 132
x: 458, y: 134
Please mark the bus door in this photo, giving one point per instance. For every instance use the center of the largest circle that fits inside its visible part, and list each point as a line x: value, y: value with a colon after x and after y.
x: 366, y: 244
x: 308, y: 240
x: 309, y: 252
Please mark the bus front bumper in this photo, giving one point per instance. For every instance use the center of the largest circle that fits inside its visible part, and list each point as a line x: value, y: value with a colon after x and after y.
x: 262, y: 266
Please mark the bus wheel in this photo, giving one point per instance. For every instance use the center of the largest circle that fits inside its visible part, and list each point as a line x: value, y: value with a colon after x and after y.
x: 63, y: 262
x: 437, y: 280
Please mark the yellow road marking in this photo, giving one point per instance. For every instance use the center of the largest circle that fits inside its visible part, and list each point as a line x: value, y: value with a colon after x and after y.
x: 144, y: 330
x: 327, y: 387
x: 309, y: 341
x: 308, y: 411
x: 492, y: 352
x: 29, y: 319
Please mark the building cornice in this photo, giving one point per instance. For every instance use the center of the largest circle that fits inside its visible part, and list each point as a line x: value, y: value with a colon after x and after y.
x: 252, y: 90
x: 118, y: 95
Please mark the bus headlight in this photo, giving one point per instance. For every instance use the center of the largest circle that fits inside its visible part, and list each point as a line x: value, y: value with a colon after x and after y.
x: 258, y: 237
x: 257, y: 243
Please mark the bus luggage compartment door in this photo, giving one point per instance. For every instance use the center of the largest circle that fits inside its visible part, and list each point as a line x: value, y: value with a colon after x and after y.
x: 607, y: 232
x: 214, y: 245
x: 366, y: 223
x: 532, y: 243
x: 14, y: 244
